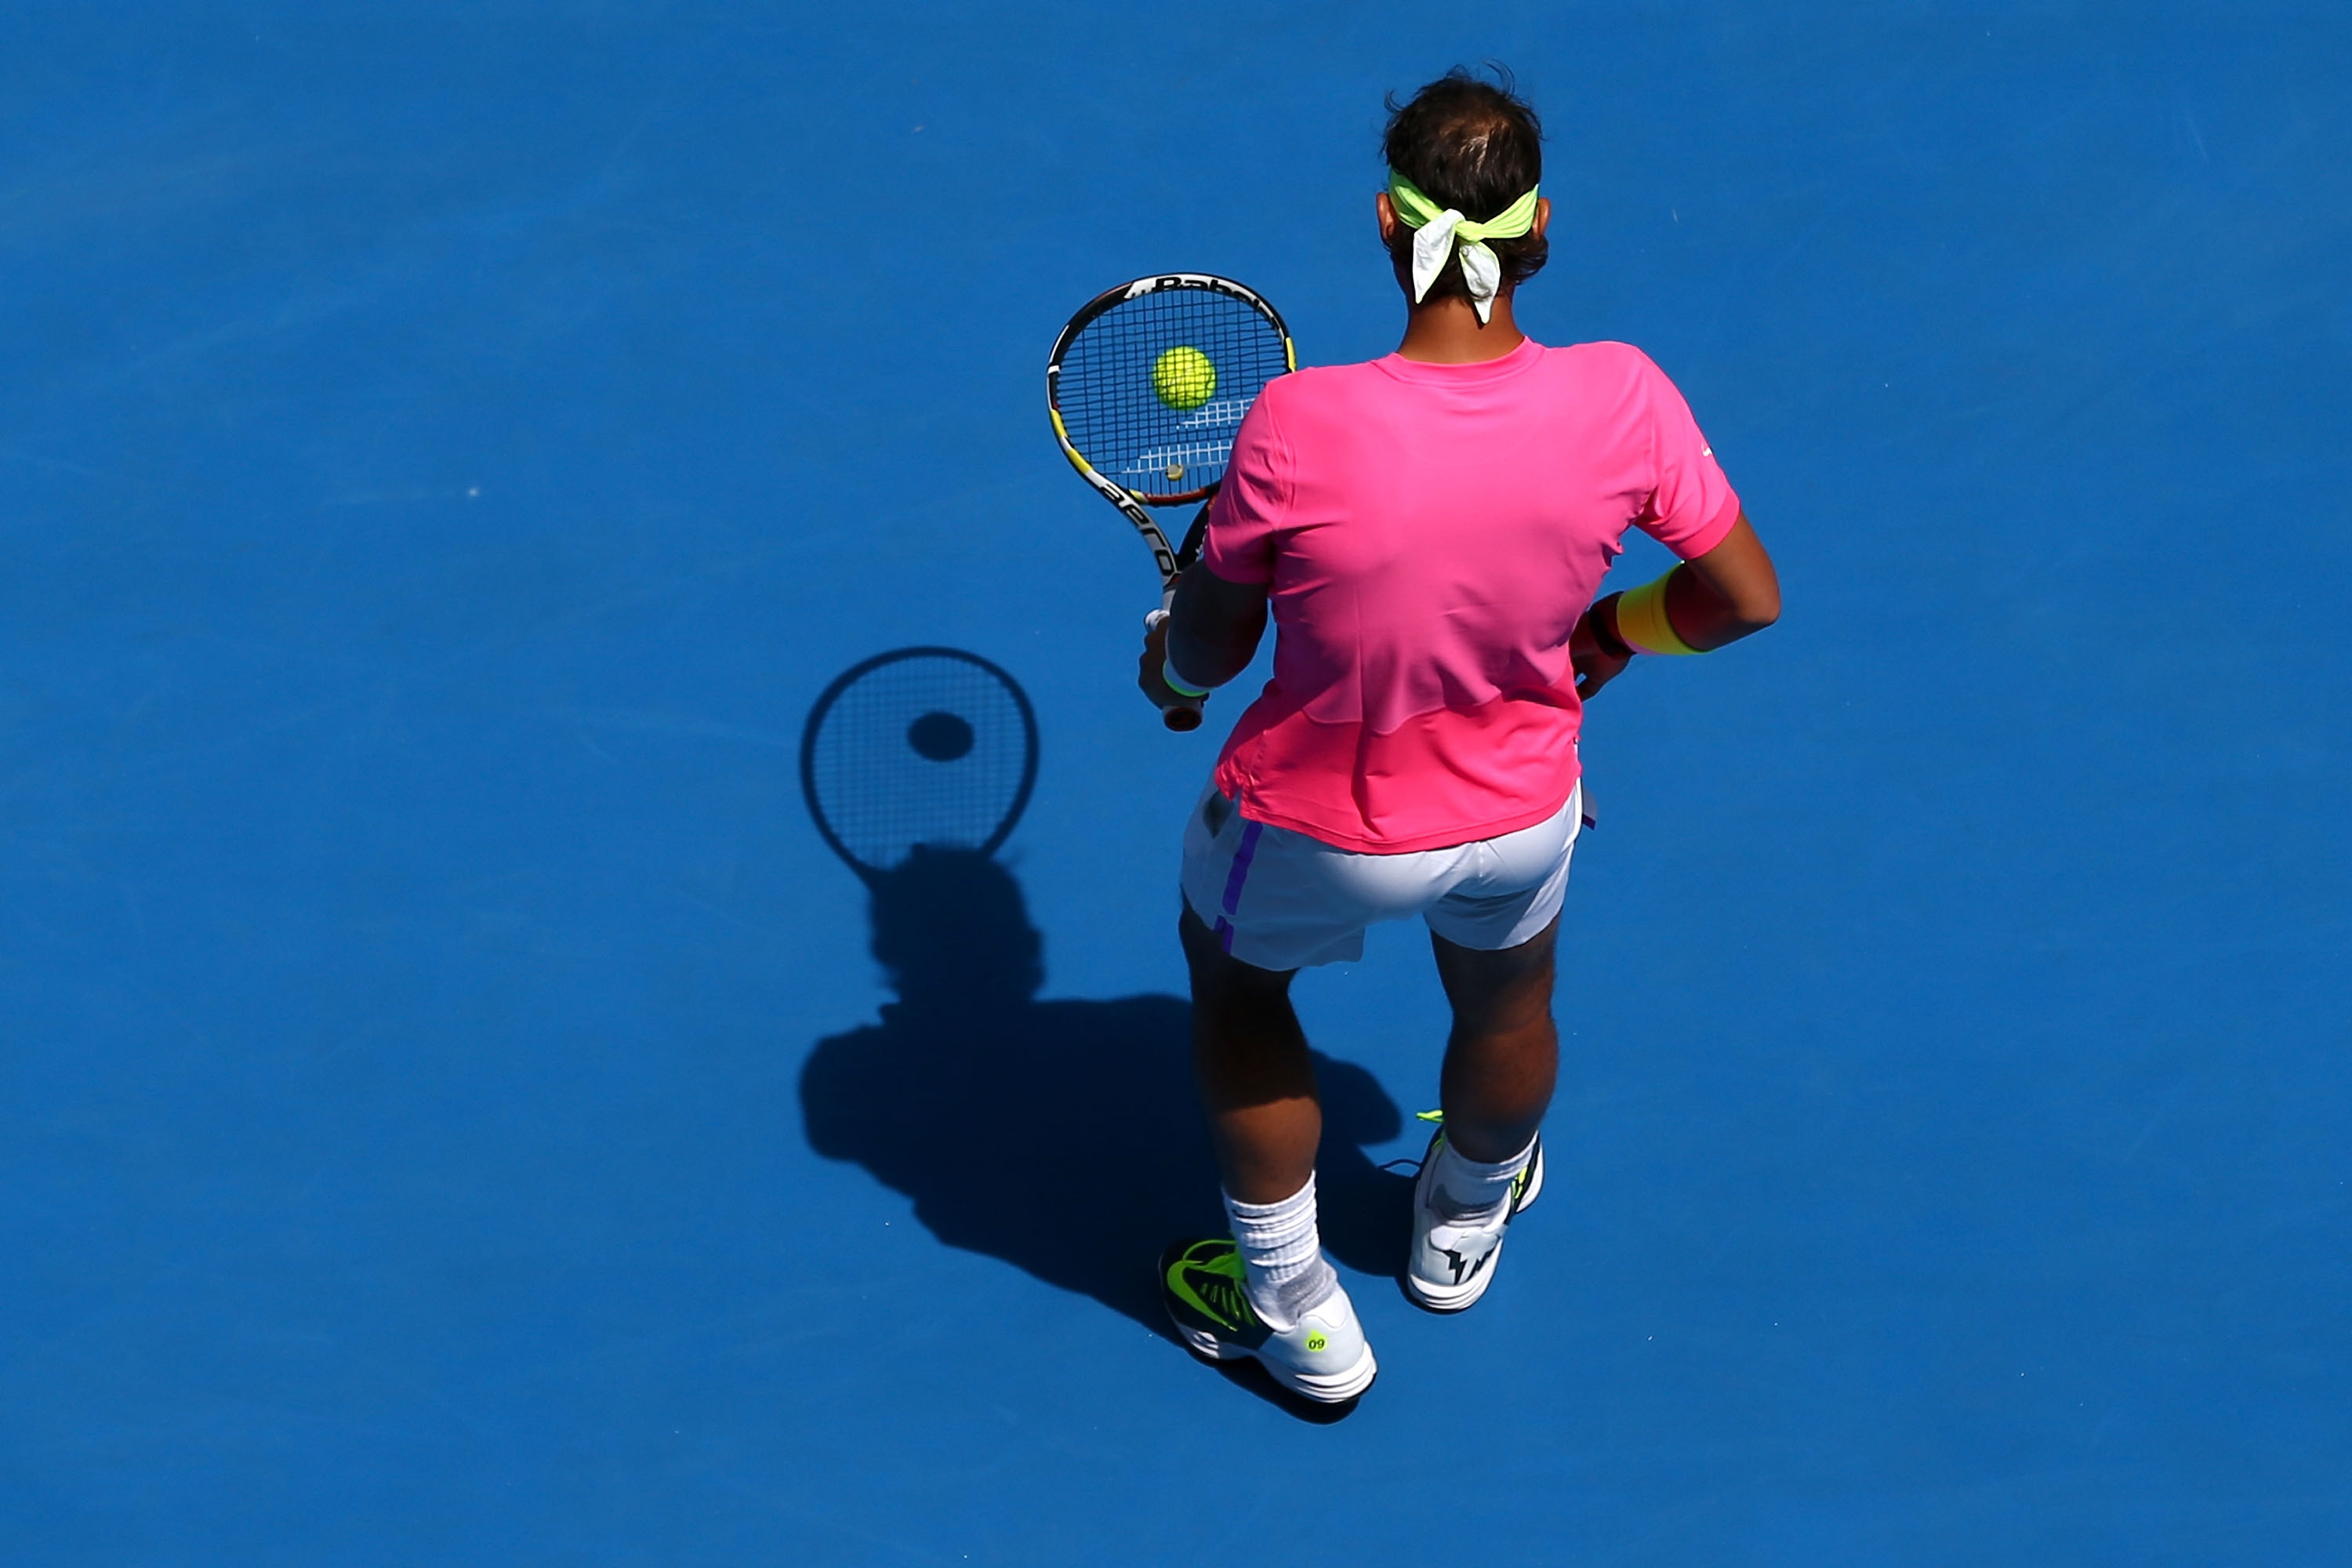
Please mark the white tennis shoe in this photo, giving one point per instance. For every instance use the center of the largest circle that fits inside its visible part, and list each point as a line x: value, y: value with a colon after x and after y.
x: 1453, y: 1261
x: 1322, y: 1357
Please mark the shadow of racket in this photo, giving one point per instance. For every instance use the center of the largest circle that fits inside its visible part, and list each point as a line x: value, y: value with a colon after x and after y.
x: 928, y: 746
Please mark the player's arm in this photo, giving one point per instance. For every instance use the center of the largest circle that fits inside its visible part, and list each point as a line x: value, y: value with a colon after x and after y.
x: 1212, y: 633
x: 1705, y: 602
x: 1731, y: 592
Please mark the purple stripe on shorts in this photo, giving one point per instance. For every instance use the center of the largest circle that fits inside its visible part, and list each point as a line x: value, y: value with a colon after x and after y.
x: 1224, y: 935
x: 1240, y: 873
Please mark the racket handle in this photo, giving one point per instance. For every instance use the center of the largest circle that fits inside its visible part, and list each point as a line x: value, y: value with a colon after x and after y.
x: 1184, y: 716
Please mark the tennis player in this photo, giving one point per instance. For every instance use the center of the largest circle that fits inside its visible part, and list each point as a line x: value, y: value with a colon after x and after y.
x: 1428, y: 530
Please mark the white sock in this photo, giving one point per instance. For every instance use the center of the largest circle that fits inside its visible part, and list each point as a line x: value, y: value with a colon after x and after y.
x: 1471, y: 1192
x: 1282, y: 1256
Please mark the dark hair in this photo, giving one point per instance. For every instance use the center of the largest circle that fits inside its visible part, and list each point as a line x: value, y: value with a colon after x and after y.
x: 1476, y: 147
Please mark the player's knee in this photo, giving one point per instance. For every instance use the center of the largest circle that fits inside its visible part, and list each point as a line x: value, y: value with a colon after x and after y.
x: 1502, y: 1002
x: 1513, y: 981
x: 1218, y: 974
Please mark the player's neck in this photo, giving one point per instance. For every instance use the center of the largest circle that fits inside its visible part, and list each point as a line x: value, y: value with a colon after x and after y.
x: 1448, y: 332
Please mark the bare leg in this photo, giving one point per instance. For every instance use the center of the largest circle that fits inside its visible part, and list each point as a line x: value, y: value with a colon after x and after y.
x: 1503, y: 1057
x: 1256, y: 1079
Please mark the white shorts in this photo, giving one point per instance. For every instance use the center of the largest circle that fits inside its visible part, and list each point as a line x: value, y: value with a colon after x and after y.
x: 1280, y: 899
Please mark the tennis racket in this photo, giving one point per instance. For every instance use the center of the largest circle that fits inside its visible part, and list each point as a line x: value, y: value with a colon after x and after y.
x: 1146, y: 386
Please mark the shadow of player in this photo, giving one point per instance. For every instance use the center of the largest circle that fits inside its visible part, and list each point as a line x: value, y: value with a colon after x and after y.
x: 1064, y: 1137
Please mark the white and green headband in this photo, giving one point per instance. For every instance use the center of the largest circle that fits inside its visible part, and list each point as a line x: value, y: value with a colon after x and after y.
x: 1438, y: 231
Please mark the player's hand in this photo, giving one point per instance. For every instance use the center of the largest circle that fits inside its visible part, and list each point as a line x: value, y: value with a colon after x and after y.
x: 1149, y: 677
x: 1595, y: 667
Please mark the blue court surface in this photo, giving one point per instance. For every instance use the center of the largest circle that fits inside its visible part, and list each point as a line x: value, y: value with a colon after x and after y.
x: 450, y: 1111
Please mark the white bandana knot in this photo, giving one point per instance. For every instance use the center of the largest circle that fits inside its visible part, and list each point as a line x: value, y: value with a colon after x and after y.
x: 1438, y: 231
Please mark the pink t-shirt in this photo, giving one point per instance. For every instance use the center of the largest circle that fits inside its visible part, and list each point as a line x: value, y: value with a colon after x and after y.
x: 1431, y: 534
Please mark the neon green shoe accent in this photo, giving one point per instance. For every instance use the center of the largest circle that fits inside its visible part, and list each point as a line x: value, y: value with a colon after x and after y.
x: 1318, y: 1341
x: 1436, y: 1139
x: 1221, y: 1275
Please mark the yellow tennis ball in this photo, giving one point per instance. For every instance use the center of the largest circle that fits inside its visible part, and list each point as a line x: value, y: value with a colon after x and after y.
x: 1184, y: 377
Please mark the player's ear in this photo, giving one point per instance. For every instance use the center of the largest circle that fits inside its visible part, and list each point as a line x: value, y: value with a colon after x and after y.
x: 1385, y: 210
x: 1543, y: 216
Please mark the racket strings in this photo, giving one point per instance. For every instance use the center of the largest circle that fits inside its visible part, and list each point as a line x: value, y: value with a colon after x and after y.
x: 926, y: 748
x: 1112, y: 405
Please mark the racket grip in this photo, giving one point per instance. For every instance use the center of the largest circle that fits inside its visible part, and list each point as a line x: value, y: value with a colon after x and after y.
x: 1184, y: 716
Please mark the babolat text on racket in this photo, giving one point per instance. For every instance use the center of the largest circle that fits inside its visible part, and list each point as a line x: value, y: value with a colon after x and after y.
x: 918, y: 747
x: 1146, y: 385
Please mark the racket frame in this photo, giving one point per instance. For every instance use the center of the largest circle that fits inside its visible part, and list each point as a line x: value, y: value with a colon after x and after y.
x: 1133, y: 505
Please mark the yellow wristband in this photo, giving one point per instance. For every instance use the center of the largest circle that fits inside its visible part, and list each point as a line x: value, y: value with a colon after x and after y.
x: 1642, y: 619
